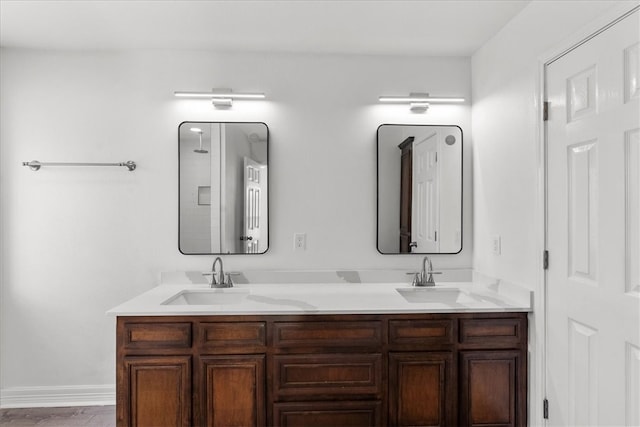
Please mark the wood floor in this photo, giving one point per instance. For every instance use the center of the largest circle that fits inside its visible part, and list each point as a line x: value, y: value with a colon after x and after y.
x: 90, y: 416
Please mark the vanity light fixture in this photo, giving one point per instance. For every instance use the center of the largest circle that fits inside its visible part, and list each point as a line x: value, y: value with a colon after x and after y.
x: 220, y: 98
x: 419, y: 102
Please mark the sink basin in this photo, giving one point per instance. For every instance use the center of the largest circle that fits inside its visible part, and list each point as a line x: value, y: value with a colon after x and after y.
x: 208, y: 297
x: 435, y: 295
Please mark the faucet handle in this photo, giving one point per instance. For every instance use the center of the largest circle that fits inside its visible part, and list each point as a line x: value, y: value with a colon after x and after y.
x: 228, y: 280
x: 416, y: 279
x: 212, y: 274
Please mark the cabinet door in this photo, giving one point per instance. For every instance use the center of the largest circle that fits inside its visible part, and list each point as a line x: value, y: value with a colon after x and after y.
x: 156, y: 391
x: 234, y: 390
x: 421, y: 389
x: 492, y: 388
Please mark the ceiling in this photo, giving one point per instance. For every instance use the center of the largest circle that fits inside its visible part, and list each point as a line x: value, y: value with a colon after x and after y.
x: 427, y: 27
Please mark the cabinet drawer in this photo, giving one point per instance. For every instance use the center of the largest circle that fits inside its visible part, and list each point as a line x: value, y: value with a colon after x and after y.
x: 157, y: 335
x: 224, y: 337
x: 420, y: 332
x: 492, y: 331
x: 327, y: 375
x: 323, y: 414
x: 327, y: 334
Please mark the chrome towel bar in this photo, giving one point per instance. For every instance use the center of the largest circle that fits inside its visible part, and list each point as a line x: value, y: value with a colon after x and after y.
x: 35, y: 165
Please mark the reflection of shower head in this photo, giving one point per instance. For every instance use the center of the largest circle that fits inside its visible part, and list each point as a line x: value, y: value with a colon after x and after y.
x: 254, y: 137
x: 199, y: 132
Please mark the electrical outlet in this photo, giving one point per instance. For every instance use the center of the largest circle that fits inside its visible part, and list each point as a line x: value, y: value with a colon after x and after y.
x: 496, y: 244
x: 300, y: 242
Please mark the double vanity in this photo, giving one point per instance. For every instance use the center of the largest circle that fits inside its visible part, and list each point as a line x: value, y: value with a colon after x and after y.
x: 323, y: 354
x: 320, y: 349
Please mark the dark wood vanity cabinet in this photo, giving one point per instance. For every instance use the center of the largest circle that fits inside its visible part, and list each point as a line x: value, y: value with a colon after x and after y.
x: 323, y: 370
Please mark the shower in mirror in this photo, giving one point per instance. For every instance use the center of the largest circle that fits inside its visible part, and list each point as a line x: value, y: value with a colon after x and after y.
x: 200, y: 149
x: 223, y: 188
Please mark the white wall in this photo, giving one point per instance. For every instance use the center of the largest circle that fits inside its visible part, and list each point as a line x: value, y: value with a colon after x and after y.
x: 506, y: 159
x: 76, y: 241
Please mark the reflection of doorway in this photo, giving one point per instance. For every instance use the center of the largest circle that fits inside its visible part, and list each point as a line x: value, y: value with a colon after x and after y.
x: 419, y: 195
x: 425, y: 205
x: 406, y: 160
x: 255, y: 207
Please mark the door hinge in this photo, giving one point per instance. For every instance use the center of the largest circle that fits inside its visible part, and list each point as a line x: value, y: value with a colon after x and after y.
x: 545, y: 409
x: 545, y: 260
x: 545, y: 111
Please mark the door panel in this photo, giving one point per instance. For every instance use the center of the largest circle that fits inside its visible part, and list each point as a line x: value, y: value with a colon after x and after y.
x: 593, y: 230
x: 632, y: 174
x: 425, y: 199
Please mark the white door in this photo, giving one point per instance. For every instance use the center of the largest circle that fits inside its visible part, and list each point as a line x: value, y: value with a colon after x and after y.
x: 255, y: 185
x: 424, y: 201
x: 593, y: 231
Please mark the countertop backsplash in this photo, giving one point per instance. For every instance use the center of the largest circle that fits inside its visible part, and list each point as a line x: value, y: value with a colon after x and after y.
x: 316, y: 276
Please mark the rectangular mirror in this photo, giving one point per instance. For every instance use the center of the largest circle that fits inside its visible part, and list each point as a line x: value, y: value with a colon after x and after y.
x: 223, y: 171
x: 419, y: 189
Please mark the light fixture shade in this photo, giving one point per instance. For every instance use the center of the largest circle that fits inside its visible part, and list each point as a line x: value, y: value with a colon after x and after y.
x: 222, y: 102
x: 419, y: 101
x: 410, y: 99
x: 220, y: 98
x: 219, y: 95
x: 419, y: 107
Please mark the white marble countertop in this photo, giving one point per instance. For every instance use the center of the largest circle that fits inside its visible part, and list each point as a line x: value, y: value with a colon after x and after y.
x: 326, y: 298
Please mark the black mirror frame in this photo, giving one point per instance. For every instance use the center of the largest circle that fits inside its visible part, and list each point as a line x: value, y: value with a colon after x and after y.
x: 378, y: 191
x: 268, y: 190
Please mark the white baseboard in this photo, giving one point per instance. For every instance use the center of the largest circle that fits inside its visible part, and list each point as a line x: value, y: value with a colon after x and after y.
x: 83, y: 395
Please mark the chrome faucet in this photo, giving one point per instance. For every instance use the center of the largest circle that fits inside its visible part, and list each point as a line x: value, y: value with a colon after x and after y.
x: 221, y: 281
x: 424, y: 277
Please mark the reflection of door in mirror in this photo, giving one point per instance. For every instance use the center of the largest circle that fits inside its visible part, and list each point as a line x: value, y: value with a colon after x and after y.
x: 419, y: 189
x: 419, y: 194
x: 255, y: 185
x: 425, y: 204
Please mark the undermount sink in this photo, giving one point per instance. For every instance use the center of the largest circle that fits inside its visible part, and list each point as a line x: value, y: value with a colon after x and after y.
x: 208, y: 297
x: 435, y: 295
